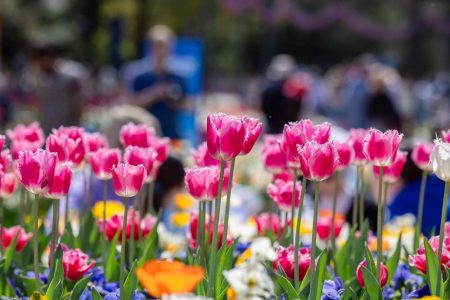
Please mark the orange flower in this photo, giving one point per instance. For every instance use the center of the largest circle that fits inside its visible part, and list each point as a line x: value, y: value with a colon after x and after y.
x: 161, y: 277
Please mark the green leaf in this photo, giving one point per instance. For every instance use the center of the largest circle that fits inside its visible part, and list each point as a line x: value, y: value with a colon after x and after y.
x: 68, y: 237
x: 112, y: 265
x: 58, y: 256
x: 286, y: 286
x: 79, y: 287
x: 95, y: 294
x: 28, y: 283
x: 372, y: 288
x: 130, y: 283
x: 55, y: 288
x: 151, y: 242
x: 370, y: 262
x: 319, y: 277
x: 342, y: 258
x: 392, y: 262
x: 305, y: 281
x: 433, y: 268
x: 225, y: 256
x: 10, y: 252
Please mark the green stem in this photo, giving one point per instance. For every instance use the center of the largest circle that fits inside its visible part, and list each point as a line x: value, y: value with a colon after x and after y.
x: 122, y: 249
x: 151, y: 192
x: 361, y: 197
x: 227, y: 203
x: 297, y: 234
x: 380, y: 223
x: 293, y: 203
x: 441, y: 233
x: 314, y: 234
x: 132, y: 243
x: 105, y: 195
x: 201, y: 232
x: 54, y: 230
x: 22, y: 205
x: 66, y: 213
x: 212, y: 257
x: 333, y: 211
x: 417, y: 232
x: 1, y: 225
x: 36, y: 242
x: 355, y: 199
x: 141, y: 212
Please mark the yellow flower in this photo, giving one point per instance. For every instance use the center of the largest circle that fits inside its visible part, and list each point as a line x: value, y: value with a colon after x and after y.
x: 180, y: 219
x: 244, y: 256
x: 112, y: 208
x: 183, y: 201
x: 231, y: 294
x: 38, y: 296
x: 430, y: 298
x: 304, y: 227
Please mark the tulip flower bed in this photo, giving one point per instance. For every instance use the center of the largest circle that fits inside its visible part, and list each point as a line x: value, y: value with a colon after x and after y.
x: 116, y: 251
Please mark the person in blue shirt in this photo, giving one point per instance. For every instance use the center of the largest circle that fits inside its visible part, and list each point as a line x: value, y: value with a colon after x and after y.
x: 161, y: 91
x: 407, y: 199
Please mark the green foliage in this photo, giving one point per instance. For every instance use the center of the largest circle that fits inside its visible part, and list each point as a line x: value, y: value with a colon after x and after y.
x: 112, y: 266
x: 433, y: 268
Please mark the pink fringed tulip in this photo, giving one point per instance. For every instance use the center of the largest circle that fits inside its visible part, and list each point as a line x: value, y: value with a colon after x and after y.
x: 318, y: 161
x: 421, y: 156
x: 8, y: 185
x: 75, y: 264
x: 161, y: 146
x: 393, y: 172
x: 61, y: 182
x: 285, y: 260
x: 253, y: 128
x: 381, y: 148
x: 8, y: 235
x: 128, y: 179
x: 383, y: 274
x: 356, y: 141
x: 142, y: 156
x: 202, y: 183
x: 102, y: 162
x: 419, y: 260
x: 268, y: 222
x: 136, y: 135
x: 225, y: 136
x: 67, y: 149
x: 72, y: 132
x: 281, y: 193
x: 446, y: 135
x: 5, y: 160
x: 273, y: 156
x: 36, y: 170
x: 24, y: 137
x: 202, y: 158
x: 114, y: 225
x: 94, y: 141
x: 345, y: 153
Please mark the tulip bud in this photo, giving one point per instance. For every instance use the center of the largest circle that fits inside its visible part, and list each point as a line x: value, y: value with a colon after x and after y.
x: 381, y: 148
x: 421, y: 156
x: 440, y: 160
x: 383, y: 274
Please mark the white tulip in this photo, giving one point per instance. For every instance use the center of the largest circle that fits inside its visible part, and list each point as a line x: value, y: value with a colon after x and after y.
x: 440, y: 160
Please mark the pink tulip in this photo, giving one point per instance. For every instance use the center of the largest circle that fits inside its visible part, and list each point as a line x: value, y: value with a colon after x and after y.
x: 8, y: 235
x: 209, y: 226
x: 136, y: 135
x: 202, y: 158
x: 202, y: 182
x: 393, y: 172
x: 253, y: 128
x: 72, y: 132
x: 419, y: 260
x: 384, y: 274
x: 225, y: 136
x: 285, y: 261
x: 381, y: 148
x: 161, y: 146
x: 324, y: 224
x: 345, y: 153
x: 2, y: 141
x: 75, y: 264
x: 281, y: 193
x: 94, y: 141
x: 102, y: 162
x: 142, y: 156
x: 421, y: 156
x: 356, y: 141
x: 318, y: 161
x: 5, y: 160
x: 61, y: 182
x: 24, y: 137
x: 273, y: 156
x: 8, y: 185
x: 128, y: 179
x: 446, y: 135
x: 268, y: 222
x: 114, y: 226
x: 36, y: 170
x: 67, y: 149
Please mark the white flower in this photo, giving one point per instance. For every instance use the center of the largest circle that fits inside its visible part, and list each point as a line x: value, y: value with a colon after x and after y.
x: 250, y: 282
x: 440, y: 160
x: 184, y: 297
x: 262, y: 250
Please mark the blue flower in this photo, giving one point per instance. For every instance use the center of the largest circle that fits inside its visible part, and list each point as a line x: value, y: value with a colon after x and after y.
x: 420, y: 293
x: 116, y: 295
x: 403, y: 276
x: 333, y: 289
x: 388, y: 293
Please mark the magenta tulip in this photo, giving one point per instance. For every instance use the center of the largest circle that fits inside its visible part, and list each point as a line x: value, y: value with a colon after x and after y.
x: 393, y: 172
x: 75, y: 264
x: 384, y: 274
x: 202, y: 182
x: 202, y: 158
x: 61, y: 182
x: 67, y: 149
x: 136, y: 135
x: 421, y: 156
x: 24, y: 137
x: 318, y: 161
x: 281, y: 193
x: 356, y: 141
x: 225, y: 136
x: 142, y: 156
x: 5, y: 160
x: 381, y: 148
x: 8, y: 235
x: 102, y: 162
x: 72, y: 132
x: 273, y: 156
x: 128, y: 179
x: 285, y: 261
x: 8, y: 185
x: 36, y: 170
x: 253, y: 128
x: 345, y: 153
x: 94, y: 141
